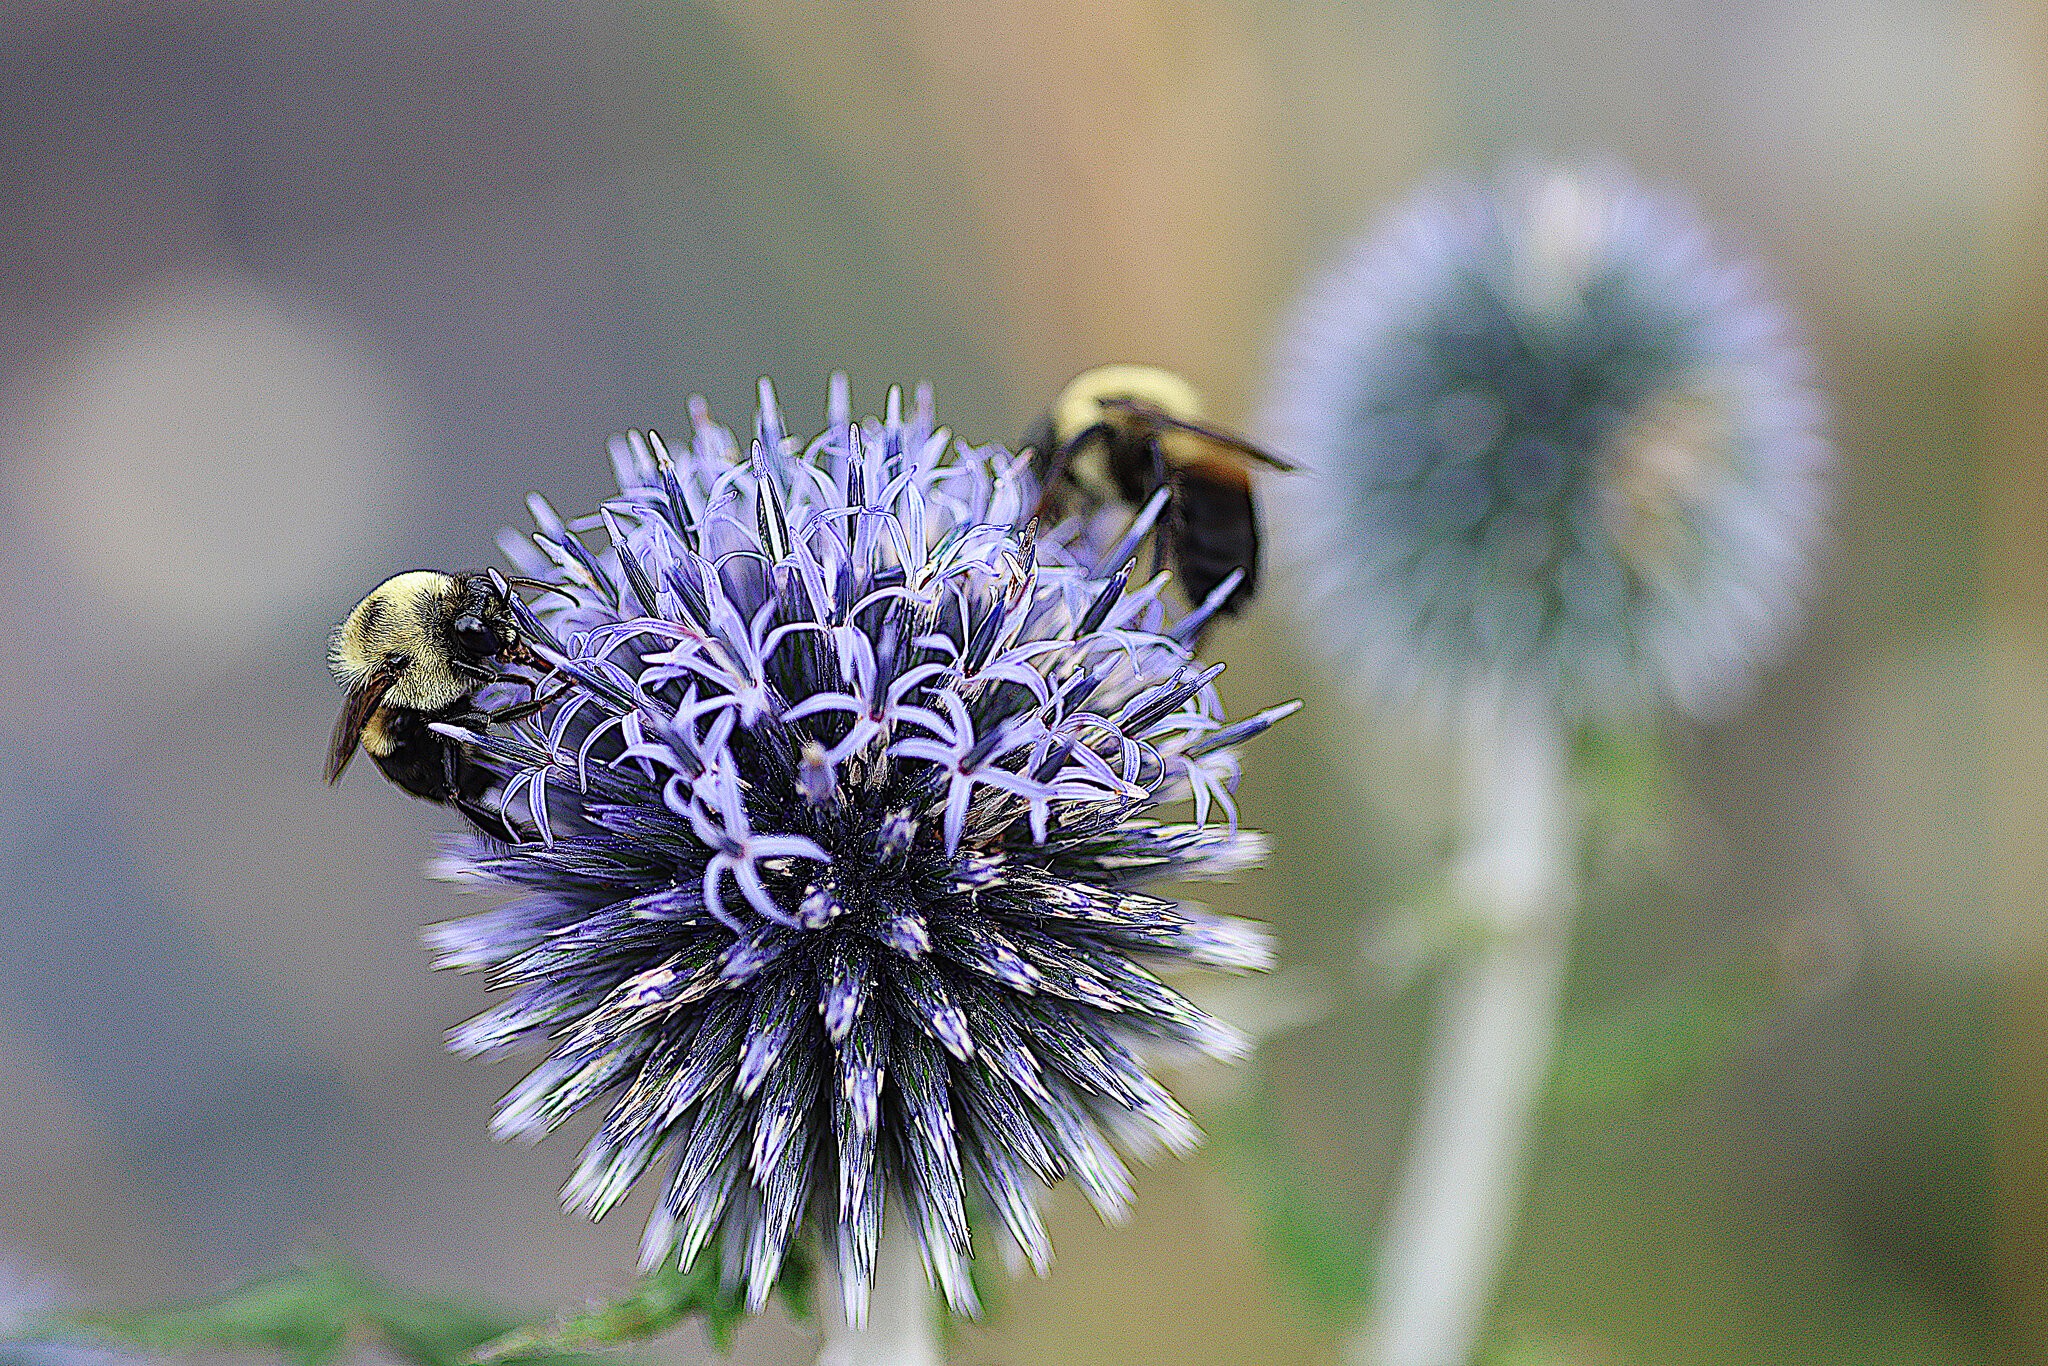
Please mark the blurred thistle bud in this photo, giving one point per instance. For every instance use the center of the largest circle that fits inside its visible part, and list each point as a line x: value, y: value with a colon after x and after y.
x: 832, y: 885
x: 1555, y: 446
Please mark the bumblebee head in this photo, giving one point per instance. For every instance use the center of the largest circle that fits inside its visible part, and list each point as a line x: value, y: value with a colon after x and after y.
x: 482, y: 629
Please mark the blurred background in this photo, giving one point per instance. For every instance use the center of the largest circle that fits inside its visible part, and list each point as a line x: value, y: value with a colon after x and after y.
x: 296, y: 295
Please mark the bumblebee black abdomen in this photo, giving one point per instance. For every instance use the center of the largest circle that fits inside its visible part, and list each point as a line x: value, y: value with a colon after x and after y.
x: 433, y: 767
x: 416, y: 758
x: 1215, y: 531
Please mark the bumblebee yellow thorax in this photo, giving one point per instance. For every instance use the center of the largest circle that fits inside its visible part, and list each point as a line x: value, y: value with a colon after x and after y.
x: 1079, y: 405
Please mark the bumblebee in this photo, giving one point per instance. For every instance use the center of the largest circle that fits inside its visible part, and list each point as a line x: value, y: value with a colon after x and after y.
x: 1119, y: 434
x: 418, y: 650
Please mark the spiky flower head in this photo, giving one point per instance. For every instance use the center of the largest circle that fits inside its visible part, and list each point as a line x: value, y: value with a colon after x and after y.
x: 1555, y: 444
x: 831, y: 894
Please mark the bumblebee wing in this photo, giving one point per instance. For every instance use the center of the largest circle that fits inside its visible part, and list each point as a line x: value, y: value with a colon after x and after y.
x: 363, y: 699
x: 1215, y: 436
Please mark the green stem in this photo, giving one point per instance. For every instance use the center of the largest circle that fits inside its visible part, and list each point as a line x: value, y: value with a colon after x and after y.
x: 1454, y: 1213
x: 901, y: 1329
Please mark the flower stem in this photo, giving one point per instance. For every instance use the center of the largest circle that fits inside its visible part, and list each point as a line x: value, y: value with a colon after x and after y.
x: 1453, y: 1215
x: 901, y: 1329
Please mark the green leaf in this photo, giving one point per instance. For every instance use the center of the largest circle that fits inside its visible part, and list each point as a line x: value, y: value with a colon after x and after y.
x: 311, y: 1314
x: 1528, y: 1349
x: 798, y: 1286
x: 1629, y: 768
x: 1434, y: 928
x: 1326, y: 1262
x: 1630, y: 792
x: 1665, y: 1043
x: 662, y: 1301
x: 303, y: 1314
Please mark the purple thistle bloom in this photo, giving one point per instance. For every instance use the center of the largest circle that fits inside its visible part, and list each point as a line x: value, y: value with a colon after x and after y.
x: 1553, y: 442
x: 832, y: 888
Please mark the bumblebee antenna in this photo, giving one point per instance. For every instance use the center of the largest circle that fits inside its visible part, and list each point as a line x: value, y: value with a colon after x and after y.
x: 534, y: 584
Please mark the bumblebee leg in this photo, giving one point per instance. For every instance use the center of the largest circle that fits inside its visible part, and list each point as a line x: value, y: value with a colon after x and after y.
x: 487, y: 821
x: 532, y: 685
x: 469, y: 782
x: 1061, y: 458
x: 451, y: 774
x: 519, y: 711
x: 1166, y: 539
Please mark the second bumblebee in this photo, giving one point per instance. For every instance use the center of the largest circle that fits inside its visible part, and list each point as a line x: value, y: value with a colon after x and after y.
x: 1119, y: 434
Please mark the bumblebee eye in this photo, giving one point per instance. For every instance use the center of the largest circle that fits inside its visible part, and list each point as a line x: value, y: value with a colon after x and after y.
x: 473, y: 636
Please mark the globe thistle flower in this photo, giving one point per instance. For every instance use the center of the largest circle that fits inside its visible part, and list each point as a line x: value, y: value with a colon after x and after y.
x: 1564, y: 465
x: 832, y: 893
x: 1555, y: 444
